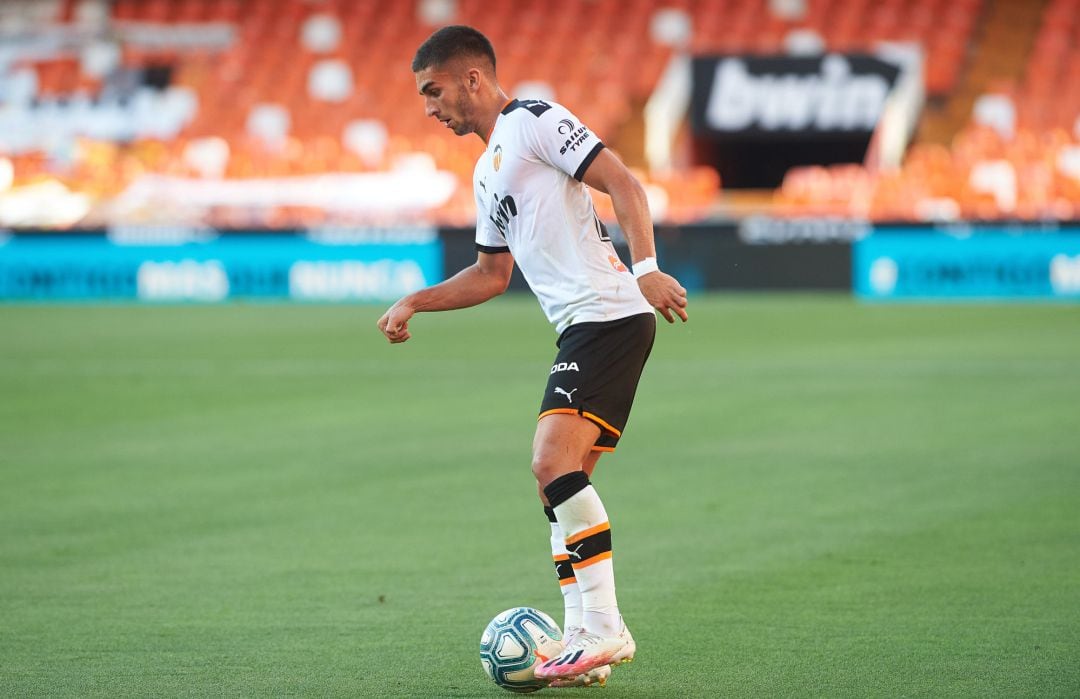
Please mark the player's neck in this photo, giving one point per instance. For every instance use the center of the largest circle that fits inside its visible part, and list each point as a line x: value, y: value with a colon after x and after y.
x: 492, y: 108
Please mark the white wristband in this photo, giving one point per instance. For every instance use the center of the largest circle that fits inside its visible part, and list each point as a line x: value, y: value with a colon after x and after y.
x: 644, y: 267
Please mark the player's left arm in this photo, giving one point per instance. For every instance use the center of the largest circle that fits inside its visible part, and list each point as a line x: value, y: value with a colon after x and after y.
x: 609, y: 175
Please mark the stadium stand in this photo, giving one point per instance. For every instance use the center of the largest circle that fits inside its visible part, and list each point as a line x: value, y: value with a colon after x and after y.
x: 1017, y: 156
x: 287, y: 88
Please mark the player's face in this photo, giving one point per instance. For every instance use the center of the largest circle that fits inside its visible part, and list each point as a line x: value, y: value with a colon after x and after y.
x: 446, y: 99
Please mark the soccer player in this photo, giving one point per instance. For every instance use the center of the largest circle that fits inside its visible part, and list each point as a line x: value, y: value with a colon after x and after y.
x: 533, y: 207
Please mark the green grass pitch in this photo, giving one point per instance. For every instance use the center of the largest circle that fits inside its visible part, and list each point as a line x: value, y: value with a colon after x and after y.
x: 814, y: 498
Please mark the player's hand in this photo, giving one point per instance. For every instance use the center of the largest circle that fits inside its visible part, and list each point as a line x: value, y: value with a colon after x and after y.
x: 665, y: 294
x: 395, y: 323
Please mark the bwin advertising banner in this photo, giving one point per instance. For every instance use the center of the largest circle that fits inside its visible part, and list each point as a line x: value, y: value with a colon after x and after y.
x: 989, y: 263
x: 755, y: 117
x: 211, y: 268
x: 769, y: 97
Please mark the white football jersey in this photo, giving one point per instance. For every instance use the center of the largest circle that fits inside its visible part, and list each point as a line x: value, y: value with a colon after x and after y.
x: 530, y: 200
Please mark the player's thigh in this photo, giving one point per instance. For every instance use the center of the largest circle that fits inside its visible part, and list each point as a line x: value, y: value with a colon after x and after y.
x: 561, y: 444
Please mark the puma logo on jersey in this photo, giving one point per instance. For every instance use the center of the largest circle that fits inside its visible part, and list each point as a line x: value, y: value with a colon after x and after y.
x: 563, y: 366
x: 559, y: 390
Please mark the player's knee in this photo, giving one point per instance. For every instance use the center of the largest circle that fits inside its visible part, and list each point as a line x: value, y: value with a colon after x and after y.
x: 546, y: 469
x: 542, y: 469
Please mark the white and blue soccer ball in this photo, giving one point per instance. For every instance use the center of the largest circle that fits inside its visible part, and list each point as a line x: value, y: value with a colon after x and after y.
x: 514, y: 643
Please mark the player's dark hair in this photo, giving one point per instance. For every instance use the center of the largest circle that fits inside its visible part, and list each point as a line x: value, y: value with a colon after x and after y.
x: 449, y: 43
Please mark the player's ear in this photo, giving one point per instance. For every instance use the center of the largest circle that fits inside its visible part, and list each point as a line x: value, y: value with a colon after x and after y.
x: 473, y: 79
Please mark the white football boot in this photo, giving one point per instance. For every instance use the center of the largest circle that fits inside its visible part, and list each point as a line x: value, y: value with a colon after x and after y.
x: 586, y: 652
x: 596, y: 676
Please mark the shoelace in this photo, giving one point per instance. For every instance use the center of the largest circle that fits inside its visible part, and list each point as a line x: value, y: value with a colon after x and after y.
x: 583, y: 638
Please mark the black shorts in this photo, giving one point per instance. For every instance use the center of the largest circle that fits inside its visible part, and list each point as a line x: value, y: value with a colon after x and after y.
x: 596, y: 373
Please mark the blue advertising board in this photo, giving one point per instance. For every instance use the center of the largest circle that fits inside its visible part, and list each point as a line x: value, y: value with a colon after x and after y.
x: 210, y: 267
x: 984, y: 262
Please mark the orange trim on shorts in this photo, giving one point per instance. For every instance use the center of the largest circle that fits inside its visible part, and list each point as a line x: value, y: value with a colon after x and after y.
x: 557, y: 411
x: 603, y: 526
x: 598, y: 420
x: 595, y: 559
x: 588, y: 416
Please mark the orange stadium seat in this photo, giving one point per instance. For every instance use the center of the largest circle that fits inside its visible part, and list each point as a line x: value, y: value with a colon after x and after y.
x: 936, y: 180
x: 600, y: 60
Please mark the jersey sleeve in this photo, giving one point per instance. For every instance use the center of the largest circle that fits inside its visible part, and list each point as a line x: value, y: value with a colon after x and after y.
x: 488, y: 237
x: 562, y: 141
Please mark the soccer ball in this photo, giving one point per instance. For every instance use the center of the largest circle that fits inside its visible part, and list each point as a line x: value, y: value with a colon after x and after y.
x: 514, y: 643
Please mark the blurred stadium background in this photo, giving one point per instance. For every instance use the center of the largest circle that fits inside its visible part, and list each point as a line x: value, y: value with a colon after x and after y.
x: 777, y: 138
x: 213, y: 499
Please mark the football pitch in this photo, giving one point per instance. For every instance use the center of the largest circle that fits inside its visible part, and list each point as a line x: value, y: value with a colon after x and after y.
x: 813, y: 498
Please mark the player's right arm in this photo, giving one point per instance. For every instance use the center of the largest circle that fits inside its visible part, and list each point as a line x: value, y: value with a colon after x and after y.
x: 486, y: 279
x: 609, y: 175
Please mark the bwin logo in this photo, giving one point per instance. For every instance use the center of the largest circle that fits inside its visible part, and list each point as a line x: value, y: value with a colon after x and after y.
x: 563, y: 366
x: 833, y: 99
x: 565, y: 126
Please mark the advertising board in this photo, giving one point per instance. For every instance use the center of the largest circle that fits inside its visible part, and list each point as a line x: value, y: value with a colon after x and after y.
x: 766, y: 97
x: 214, y: 267
x: 755, y: 117
x: 984, y: 262
x: 747, y: 256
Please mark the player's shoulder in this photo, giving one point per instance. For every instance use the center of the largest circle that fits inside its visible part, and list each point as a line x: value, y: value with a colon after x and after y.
x: 540, y: 120
x: 534, y: 110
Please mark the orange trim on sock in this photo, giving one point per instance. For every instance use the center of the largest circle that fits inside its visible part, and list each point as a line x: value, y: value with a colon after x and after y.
x: 602, y: 449
x: 568, y: 581
x: 561, y: 557
x: 588, y: 532
x: 595, y: 559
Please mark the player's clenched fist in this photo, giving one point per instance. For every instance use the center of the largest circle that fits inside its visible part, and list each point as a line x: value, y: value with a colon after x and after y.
x: 395, y: 323
x: 665, y: 294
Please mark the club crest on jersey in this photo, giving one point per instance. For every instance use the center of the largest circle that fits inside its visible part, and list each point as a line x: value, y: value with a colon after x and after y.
x: 496, y: 159
x: 564, y: 366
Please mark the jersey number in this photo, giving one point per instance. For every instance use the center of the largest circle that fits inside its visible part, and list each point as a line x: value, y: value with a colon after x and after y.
x: 537, y: 107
